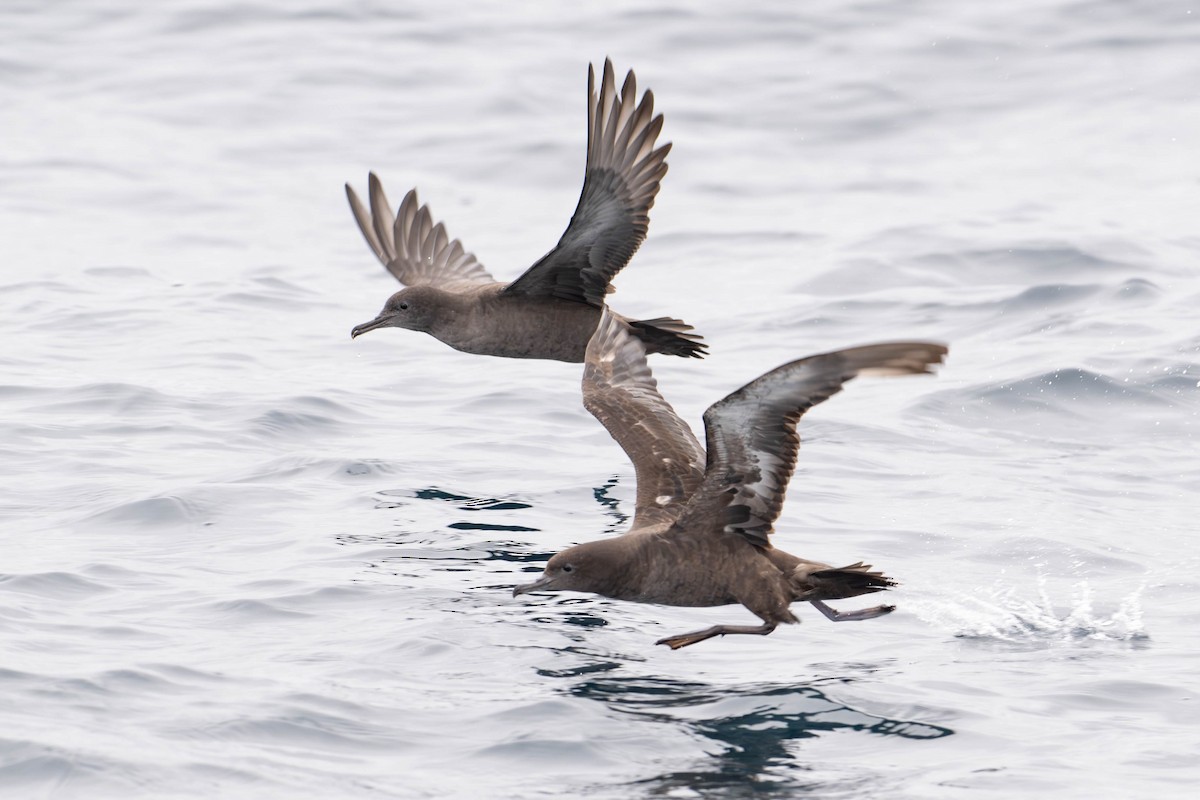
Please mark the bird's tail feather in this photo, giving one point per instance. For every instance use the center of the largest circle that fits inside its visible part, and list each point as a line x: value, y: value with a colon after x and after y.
x: 835, y: 583
x: 669, y: 336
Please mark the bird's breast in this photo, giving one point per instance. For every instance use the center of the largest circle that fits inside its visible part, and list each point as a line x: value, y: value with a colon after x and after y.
x: 514, y: 326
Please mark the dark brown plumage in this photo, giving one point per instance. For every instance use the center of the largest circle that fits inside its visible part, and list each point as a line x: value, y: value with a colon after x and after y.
x: 703, y: 520
x: 552, y: 309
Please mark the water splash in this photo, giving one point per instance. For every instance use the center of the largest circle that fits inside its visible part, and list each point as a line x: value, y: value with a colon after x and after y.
x: 1008, y: 613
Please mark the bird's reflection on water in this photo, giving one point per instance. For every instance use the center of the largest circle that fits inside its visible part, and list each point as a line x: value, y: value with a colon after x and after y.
x: 755, y: 725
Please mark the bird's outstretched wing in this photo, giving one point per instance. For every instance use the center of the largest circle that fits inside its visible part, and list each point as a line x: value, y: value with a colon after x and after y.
x: 752, y: 440
x: 621, y: 180
x: 620, y: 391
x: 410, y: 245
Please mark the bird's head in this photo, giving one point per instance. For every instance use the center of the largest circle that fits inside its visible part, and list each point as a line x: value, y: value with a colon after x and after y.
x: 413, y: 308
x: 590, y: 567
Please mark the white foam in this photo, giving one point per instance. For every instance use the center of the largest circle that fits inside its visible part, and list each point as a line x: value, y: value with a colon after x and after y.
x: 1009, y: 613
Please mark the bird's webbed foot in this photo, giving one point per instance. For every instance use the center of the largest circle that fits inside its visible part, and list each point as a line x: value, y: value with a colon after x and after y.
x: 850, y: 616
x: 695, y: 637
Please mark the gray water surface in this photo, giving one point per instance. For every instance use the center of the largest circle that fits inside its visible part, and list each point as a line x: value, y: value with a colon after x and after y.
x: 243, y: 556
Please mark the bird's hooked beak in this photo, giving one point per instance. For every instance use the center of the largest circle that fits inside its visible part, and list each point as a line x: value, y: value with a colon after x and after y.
x: 544, y: 582
x: 378, y: 322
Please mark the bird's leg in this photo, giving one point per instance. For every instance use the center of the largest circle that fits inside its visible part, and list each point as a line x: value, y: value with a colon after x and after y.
x: 684, y: 639
x: 848, y: 616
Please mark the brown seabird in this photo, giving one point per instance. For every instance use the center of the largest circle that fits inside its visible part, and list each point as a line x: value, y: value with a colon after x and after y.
x: 702, y: 525
x: 552, y: 309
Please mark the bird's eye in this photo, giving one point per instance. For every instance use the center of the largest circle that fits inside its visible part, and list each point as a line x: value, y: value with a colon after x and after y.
x: 404, y: 306
x: 568, y: 568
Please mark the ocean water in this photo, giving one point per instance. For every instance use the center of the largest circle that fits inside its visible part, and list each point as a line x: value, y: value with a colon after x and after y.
x: 243, y: 556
